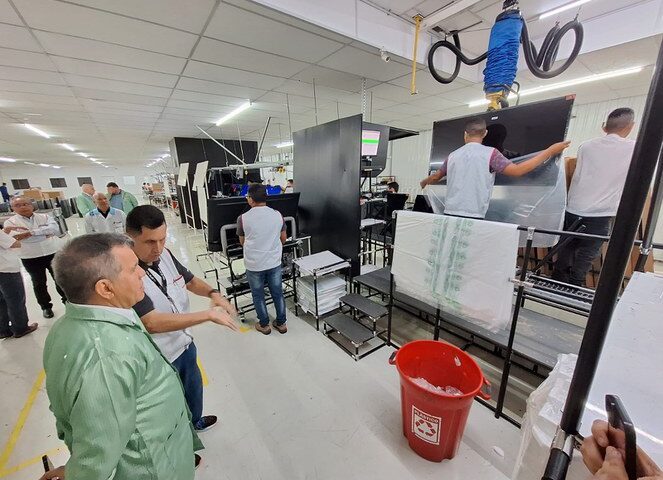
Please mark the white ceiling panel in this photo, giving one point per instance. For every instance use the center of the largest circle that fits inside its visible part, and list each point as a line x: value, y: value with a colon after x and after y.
x: 92, y: 105
x: 359, y: 62
x: 217, y: 88
x: 189, y: 15
x: 229, y: 24
x: 116, y: 86
x: 205, y: 98
x: 101, y: 95
x: 221, y: 110
x: 427, y: 84
x: 206, y: 71
x: 333, y: 78
x: 114, y: 72
x: 20, y: 58
x: 394, y: 93
x: 74, y: 20
x: 30, y: 75
x: 7, y: 14
x: 28, y: 87
x: 86, y: 49
x: 640, y: 53
x: 19, y: 38
x: 229, y: 55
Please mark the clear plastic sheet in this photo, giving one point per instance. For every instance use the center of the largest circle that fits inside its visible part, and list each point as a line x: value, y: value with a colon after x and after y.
x: 537, y: 199
x: 460, y: 265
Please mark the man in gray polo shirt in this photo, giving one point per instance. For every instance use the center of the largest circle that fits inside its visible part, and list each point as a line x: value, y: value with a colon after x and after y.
x: 261, y: 231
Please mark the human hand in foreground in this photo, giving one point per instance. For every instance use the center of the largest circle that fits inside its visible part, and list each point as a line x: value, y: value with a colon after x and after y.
x: 594, y: 453
x: 557, y: 148
x: 57, y: 474
x: 221, y: 317
x: 218, y: 300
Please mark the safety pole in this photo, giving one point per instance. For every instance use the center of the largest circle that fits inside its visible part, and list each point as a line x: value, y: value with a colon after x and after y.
x: 417, y: 27
x: 638, y: 180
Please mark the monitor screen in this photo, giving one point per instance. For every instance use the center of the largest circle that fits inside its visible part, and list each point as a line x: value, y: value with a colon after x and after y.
x: 370, y: 140
x: 517, y: 132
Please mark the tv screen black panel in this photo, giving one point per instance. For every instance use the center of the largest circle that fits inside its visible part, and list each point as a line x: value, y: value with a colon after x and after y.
x: 374, y: 161
x: 517, y: 132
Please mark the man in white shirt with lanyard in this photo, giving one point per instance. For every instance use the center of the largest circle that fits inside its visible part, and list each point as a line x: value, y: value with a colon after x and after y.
x: 104, y: 218
x: 594, y: 194
x: 13, y: 314
x: 165, y: 309
x: 37, y: 249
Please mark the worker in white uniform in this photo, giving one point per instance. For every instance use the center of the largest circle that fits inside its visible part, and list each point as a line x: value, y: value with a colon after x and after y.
x: 13, y: 314
x: 37, y: 249
x: 104, y: 218
x: 594, y: 195
x: 165, y: 308
x: 471, y: 170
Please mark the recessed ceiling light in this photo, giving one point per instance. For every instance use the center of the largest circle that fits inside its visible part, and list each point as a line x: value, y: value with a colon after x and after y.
x: 56, y: 166
x: 44, y: 165
x: 235, y: 112
x: 36, y: 130
x: 284, y: 144
x: 68, y: 147
x: 7, y: 159
x: 563, y: 8
x: 568, y: 83
x: 82, y: 154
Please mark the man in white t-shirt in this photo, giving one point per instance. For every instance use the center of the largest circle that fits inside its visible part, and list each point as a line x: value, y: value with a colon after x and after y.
x: 594, y: 195
x: 13, y: 314
x: 262, y: 232
x: 37, y: 249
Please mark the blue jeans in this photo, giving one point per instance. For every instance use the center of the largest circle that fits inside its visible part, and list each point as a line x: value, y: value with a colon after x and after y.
x: 192, y: 381
x: 257, y: 281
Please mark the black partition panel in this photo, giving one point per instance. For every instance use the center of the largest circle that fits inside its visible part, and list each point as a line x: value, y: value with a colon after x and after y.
x: 327, y: 169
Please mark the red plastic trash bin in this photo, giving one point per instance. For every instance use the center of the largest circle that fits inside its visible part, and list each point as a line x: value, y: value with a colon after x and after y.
x: 433, y: 422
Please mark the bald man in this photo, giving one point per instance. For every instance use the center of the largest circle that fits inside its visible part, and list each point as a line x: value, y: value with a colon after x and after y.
x: 104, y: 218
x: 40, y: 242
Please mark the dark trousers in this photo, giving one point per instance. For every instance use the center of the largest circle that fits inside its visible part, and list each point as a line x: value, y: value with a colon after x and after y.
x: 37, y: 268
x: 13, y: 314
x: 576, y: 257
x: 192, y: 381
x: 273, y: 279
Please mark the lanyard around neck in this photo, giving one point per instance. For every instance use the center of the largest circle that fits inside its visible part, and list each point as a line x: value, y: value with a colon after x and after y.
x: 163, y: 285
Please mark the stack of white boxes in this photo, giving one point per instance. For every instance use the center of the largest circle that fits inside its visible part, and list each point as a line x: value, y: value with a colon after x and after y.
x: 330, y: 289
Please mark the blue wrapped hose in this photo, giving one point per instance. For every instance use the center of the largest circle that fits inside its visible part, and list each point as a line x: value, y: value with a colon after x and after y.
x: 503, y: 51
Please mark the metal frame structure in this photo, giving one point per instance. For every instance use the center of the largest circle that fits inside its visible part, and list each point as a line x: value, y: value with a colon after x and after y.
x: 646, y: 156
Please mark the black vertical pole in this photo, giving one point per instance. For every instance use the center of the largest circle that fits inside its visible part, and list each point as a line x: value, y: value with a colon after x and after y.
x: 506, y: 369
x: 654, y: 212
x: 638, y: 180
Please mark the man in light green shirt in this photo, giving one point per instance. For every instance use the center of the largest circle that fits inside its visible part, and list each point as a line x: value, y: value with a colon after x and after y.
x: 85, y: 202
x: 121, y: 199
x: 118, y: 404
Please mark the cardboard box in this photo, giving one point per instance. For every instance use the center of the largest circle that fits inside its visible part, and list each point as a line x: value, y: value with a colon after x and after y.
x: 32, y: 193
x: 52, y: 194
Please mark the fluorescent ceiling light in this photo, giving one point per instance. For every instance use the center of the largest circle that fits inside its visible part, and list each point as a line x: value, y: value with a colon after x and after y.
x: 56, y: 166
x: 235, y: 112
x: 44, y: 165
x: 284, y: 144
x: 30, y: 163
x: 36, y: 130
x: 568, y: 83
x: 563, y: 8
x: 7, y: 159
x: 68, y: 147
x: 82, y: 154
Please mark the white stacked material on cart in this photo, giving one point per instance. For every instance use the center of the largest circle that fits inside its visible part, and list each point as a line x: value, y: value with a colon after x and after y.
x: 330, y: 289
x: 320, y: 263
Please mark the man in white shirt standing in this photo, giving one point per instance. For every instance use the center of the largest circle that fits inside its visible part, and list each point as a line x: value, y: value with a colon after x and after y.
x: 104, y: 218
x: 594, y: 195
x: 37, y: 249
x: 13, y: 314
x: 165, y: 309
x: 262, y: 233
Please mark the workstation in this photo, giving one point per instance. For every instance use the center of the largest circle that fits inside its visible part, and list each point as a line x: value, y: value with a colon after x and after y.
x: 379, y: 239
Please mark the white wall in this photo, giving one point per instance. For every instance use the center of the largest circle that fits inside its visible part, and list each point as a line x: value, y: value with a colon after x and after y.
x: 39, y: 177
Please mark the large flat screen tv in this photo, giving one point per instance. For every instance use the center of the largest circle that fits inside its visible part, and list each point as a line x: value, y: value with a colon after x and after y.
x: 537, y: 199
x: 517, y: 132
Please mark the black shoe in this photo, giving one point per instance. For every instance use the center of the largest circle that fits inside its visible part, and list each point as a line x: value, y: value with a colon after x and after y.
x: 205, y: 423
x: 196, y: 461
x: 6, y: 335
x: 31, y: 328
x: 47, y: 312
